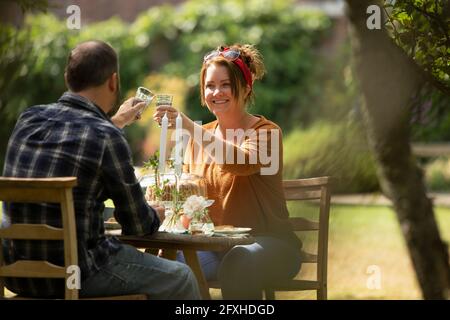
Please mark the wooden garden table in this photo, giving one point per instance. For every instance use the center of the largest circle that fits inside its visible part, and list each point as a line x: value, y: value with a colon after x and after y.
x: 189, y: 244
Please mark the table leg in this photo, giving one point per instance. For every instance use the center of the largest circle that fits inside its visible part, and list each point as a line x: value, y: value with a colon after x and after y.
x: 170, y: 254
x: 152, y: 251
x: 192, y: 260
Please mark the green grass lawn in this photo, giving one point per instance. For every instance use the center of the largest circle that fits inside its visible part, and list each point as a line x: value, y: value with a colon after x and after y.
x: 361, y: 237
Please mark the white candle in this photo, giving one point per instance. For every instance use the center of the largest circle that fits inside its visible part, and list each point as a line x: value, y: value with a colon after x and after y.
x: 178, y: 144
x: 162, y: 143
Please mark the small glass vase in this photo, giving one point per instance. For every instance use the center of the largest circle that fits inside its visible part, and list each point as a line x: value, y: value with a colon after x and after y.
x: 201, y: 224
x: 172, y: 222
x: 185, y: 221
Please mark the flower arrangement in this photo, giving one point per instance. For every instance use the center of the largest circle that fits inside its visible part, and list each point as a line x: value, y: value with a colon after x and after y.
x: 172, y: 222
x: 196, y: 206
x: 196, y: 210
x: 186, y: 207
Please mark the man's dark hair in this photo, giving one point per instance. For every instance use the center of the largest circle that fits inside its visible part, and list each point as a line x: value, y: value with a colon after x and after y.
x: 90, y: 64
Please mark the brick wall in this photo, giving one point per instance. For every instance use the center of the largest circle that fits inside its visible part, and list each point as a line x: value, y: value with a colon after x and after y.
x: 98, y: 10
x: 91, y: 10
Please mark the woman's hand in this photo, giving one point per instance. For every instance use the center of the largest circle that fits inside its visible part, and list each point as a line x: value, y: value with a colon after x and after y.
x: 128, y: 112
x: 170, y: 111
x: 172, y: 114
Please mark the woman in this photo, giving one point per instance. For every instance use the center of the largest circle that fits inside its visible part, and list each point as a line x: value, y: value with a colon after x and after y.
x: 231, y: 154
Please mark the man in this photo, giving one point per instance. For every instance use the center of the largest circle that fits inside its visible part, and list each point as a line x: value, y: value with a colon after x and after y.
x: 75, y: 137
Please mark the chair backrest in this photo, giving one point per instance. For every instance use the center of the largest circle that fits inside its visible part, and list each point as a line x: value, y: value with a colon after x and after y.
x: 41, y: 190
x: 313, y: 189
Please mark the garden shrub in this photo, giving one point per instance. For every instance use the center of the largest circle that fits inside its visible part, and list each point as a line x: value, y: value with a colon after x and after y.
x: 335, y: 149
x: 437, y: 174
x: 170, y: 40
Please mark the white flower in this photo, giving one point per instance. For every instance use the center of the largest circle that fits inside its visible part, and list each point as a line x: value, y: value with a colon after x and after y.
x: 196, y: 204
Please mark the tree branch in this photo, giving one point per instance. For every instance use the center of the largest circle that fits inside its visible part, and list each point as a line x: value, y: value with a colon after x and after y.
x: 432, y: 19
x: 391, y: 21
x: 427, y: 75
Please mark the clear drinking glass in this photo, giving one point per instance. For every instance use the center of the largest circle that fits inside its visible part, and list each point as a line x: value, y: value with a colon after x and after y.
x: 164, y: 99
x: 201, y: 224
x: 144, y: 94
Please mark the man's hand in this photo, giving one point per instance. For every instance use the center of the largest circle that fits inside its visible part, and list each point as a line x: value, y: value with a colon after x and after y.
x: 128, y: 113
x: 160, y: 211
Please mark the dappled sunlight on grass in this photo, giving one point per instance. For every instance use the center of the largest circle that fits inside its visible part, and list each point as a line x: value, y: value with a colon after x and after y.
x: 362, y: 239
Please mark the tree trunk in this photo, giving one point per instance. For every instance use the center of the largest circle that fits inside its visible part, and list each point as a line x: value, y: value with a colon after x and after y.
x: 10, y: 13
x: 389, y: 81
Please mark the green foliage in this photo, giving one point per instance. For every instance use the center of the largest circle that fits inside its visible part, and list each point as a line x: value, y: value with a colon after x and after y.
x: 431, y: 116
x: 32, y: 70
x: 422, y: 29
x: 152, y: 163
x: 34, y: 64
x: 28, y: 5
x: 437, y: 175
x: 339, y: 150
x: 285, y: 35
x: 169, y: 41
x: 334, y: 94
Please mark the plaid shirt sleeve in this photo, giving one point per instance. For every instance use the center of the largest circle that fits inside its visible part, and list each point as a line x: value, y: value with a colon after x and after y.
x: 132, y: 211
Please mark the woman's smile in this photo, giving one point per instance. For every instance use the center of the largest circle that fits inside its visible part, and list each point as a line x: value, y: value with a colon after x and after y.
x: 219, y: 104
x: 218, y: 95
x: 220, y: 101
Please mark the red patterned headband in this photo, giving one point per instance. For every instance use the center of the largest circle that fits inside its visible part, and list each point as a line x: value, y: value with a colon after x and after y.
x: 234, y: 56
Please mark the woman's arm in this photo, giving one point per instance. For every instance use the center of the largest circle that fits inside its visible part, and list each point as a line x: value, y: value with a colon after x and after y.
x: 255, y: 151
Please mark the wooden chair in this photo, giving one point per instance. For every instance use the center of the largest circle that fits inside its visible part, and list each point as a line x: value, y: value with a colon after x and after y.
x: 40, y: 190
x: 309, y: 189
x: 297, y: 190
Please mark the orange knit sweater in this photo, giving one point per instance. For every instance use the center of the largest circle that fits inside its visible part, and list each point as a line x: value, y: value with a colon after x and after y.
x: 243, y: 196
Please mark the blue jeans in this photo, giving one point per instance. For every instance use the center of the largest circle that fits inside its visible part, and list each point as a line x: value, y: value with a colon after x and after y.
x: 133, y: 272
x: 244, y: 270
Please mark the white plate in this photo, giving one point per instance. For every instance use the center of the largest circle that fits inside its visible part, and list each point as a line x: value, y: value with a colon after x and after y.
x: 235, y: 230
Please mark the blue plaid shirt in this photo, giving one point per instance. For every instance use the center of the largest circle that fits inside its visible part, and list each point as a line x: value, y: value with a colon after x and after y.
x: 73, y: 137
